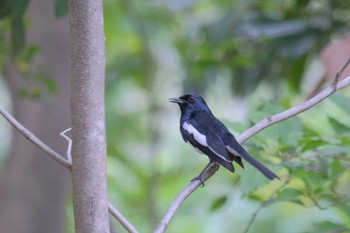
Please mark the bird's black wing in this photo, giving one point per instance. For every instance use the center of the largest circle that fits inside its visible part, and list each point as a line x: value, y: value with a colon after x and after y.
x: 203, y: 136
x: 237, y: 150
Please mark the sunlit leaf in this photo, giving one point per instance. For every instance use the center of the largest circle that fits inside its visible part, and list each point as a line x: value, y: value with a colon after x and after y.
x: 312, y: 179
x: 289, y: 195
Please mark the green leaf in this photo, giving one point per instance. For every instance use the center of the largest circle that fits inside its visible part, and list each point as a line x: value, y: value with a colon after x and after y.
x: 338, y: 127
x: 218, y: 203
x: 50, y: 84
x: 327, y: 226
x: 344, y: 213
x: 61, y: 8
x: 289, y: 195
x: 29, y: 53
x: 312, y: 179
x: 336, y: 169
x: 342, y: 101
x: 251, y: 180
x: 30, y: 93
x: 310, y: 143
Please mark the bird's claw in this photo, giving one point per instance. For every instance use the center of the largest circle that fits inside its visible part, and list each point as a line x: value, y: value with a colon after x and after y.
x: 198, y: 178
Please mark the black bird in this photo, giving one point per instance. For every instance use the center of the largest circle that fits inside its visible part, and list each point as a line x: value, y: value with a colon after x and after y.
x: 210, y: 136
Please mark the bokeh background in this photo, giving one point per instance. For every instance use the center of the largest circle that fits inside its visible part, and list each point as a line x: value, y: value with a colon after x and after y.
x: 248, y: 59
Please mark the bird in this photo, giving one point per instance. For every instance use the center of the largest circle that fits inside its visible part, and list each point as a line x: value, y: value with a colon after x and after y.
x: 209, y: 136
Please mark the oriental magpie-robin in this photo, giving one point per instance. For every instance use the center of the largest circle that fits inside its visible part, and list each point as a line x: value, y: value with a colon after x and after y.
x: 207, y: 134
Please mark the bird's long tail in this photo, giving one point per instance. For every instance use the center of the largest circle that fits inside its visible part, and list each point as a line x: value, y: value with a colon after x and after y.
x: 238, y: 150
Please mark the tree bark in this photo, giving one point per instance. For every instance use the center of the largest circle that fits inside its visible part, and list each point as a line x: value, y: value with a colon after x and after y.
x: 88, y: 116
x: 33, y: 187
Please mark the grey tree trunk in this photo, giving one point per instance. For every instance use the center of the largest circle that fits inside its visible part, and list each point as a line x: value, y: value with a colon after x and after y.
x: 33, y: 187
x: 88, y: 116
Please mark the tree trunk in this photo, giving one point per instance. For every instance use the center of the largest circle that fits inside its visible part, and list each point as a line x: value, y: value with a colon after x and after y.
x: 33, y: 187
x: 88, y: 117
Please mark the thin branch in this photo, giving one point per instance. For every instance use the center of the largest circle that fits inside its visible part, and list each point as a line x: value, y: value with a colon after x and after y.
x: 121, y: 219
x: 340, y: 72
x: 35, y: 140
x: 181, y: 197
x: 335, y: 86
x: 263, y: 204
x: 69, y: 147
x: 59, y: 158
x: 293, y: 111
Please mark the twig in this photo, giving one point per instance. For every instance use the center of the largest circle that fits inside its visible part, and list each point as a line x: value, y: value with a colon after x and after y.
x: 340, y: 72
x: 335, y: 86
x: 69, y: 147
x: 263, y: 204
x: 35, y: 140
x: 59, y: 158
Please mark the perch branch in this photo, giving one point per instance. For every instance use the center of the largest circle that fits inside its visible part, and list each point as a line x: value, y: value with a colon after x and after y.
x: 66, y: 163
x: 181, y: 197
x: 335, y: 86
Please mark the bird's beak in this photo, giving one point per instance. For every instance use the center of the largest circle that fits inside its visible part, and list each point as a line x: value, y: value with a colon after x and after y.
x: 176, y: 100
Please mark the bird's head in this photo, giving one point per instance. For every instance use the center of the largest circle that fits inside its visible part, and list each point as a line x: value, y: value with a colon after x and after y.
x: 190, y: 103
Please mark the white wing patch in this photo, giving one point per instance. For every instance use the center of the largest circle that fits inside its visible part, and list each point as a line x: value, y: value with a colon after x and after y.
x: 200, y: 138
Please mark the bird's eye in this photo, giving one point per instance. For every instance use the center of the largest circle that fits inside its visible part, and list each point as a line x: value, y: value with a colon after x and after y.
x: 191, y: 99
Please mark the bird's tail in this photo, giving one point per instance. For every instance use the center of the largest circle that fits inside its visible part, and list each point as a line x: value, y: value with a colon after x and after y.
x: 240, y: 151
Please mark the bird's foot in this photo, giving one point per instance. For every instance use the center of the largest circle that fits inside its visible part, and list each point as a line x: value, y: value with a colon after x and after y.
x: 198, y: 178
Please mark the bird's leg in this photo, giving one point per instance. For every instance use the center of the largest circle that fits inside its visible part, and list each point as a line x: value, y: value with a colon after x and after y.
x: 199, y: 177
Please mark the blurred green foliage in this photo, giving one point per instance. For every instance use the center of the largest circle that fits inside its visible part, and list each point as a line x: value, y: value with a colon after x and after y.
x: 221, y: 49
x: 253, y: 44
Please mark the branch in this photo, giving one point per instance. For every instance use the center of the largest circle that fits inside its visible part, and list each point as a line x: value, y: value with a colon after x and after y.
x: 121, y: 219
x: 270, y: 120
x: 181, y: 197
x: 335, y: 86
x: 35, y: 140
x: 59, y: 158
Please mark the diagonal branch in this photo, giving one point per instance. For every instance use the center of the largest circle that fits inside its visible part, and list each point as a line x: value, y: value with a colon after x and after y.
x: 59, y: 158
x: 335, y: 86
x: 270, y: 120
x: 35, y: 140
x: 181, y: 197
